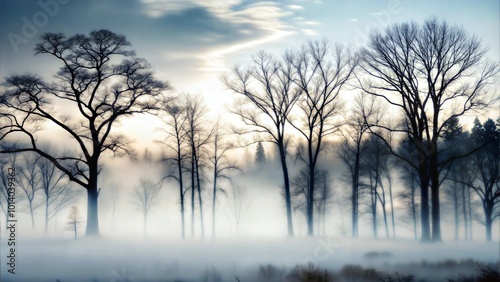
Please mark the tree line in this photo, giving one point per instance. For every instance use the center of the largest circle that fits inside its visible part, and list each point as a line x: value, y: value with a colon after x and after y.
x: 410, y: 84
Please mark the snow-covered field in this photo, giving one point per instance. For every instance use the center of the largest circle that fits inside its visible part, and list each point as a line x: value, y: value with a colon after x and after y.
x: 107, y: 259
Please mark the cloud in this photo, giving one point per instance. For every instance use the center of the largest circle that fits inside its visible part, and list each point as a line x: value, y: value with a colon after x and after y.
x: 353, y: 20
x: 309, y: 31
x: 312, y: 23
x: 295, y: 7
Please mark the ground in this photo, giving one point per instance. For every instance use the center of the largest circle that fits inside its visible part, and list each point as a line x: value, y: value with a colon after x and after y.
x: 107, y: 259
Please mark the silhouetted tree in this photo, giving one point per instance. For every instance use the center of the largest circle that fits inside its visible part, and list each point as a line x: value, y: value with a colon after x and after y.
x: 375, y: 169
x: 260, y: 154
x: 198, y: 136
x: 57, y: 190
x: 486, y: 165
x: 100, y: 81
x: 114, y: 194
x: 321, y: 76
x: 30, y: 182
x: 239, y: 203
x: 410, y: 179
x: 220, y: 164
x: 146, y: 196
x: 268, y: 95
x: 453, y: 144
x: 364, y: 111
x: 74, y: 220
x: 321, y: 199
x: 175, y: 121
x: 431, y: 72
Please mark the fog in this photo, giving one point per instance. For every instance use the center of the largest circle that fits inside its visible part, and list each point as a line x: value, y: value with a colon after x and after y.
x: 125, y: 253
x: 107, y: 259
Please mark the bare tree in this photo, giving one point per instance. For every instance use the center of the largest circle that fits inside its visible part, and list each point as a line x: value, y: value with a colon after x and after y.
x: 376, y: 169
x: 268, y: 95
x: 321, y: 199
x: 324, y: 202
x: 410, y: 179
x: 220, y: 164
x: 431, y: 73
x: 239, y: 203
x: 175, y: 123
x: 364, y: 111
x: 58, y: 191
x: 198, y: 136
x: 321, y: 78
x: 146, y: 196
x: 100, y: 81
x: 74, y: 220
x: 30, y: 181
x: 114, y: 197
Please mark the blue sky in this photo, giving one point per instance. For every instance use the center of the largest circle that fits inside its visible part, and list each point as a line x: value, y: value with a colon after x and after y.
x: 192, y: 42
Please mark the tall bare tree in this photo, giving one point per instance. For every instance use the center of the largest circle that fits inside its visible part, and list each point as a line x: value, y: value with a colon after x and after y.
x: 74, y: 220
x: 198, y: 135
x: 57, y: 190
x: 410, y: 178
x: 176, y: 142
x: 430, y: 73
x: 146, y: 196
x: 321, y: 77
x: 99, y: 82
x: 365, y: 110
x: 239, y: 203
x: 220, y: 164
x: 30, y: 182
x: 267, y: 95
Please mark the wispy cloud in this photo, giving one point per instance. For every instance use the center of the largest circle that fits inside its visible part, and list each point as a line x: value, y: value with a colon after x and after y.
x: 295, y: 7
x: 353, y: 20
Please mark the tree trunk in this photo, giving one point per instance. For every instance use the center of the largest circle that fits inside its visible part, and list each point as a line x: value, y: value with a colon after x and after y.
x: 470, y: 213
x: 436, y: 217
x: 92, y: 207
x: 181, y: 191
x: 464, y: 211
x: 455, y: 210
x: 488, y: 214
x: 414, y: 215
x: 355, y: 190
x: 374, y: 212
x: 32, y: 216
x: 310, y: 200
x: 385, y: 220
x: 193, y: 187
x: 424, y: 207
x: 46, y: 214
x: 287, y: 189
x: 392, y: 211
x: 199, y: 198
x: 213, y: 201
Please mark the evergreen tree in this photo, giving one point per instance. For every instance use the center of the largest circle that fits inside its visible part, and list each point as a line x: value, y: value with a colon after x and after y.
x: 260, y: 154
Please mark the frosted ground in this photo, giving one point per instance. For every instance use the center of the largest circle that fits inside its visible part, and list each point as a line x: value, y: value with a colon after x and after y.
x: 106, y: 259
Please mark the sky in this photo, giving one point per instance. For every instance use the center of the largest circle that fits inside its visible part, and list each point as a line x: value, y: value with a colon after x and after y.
x: 192, y: 43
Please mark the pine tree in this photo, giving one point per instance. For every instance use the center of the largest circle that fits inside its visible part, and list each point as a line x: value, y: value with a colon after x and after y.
x: 260, y: 154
